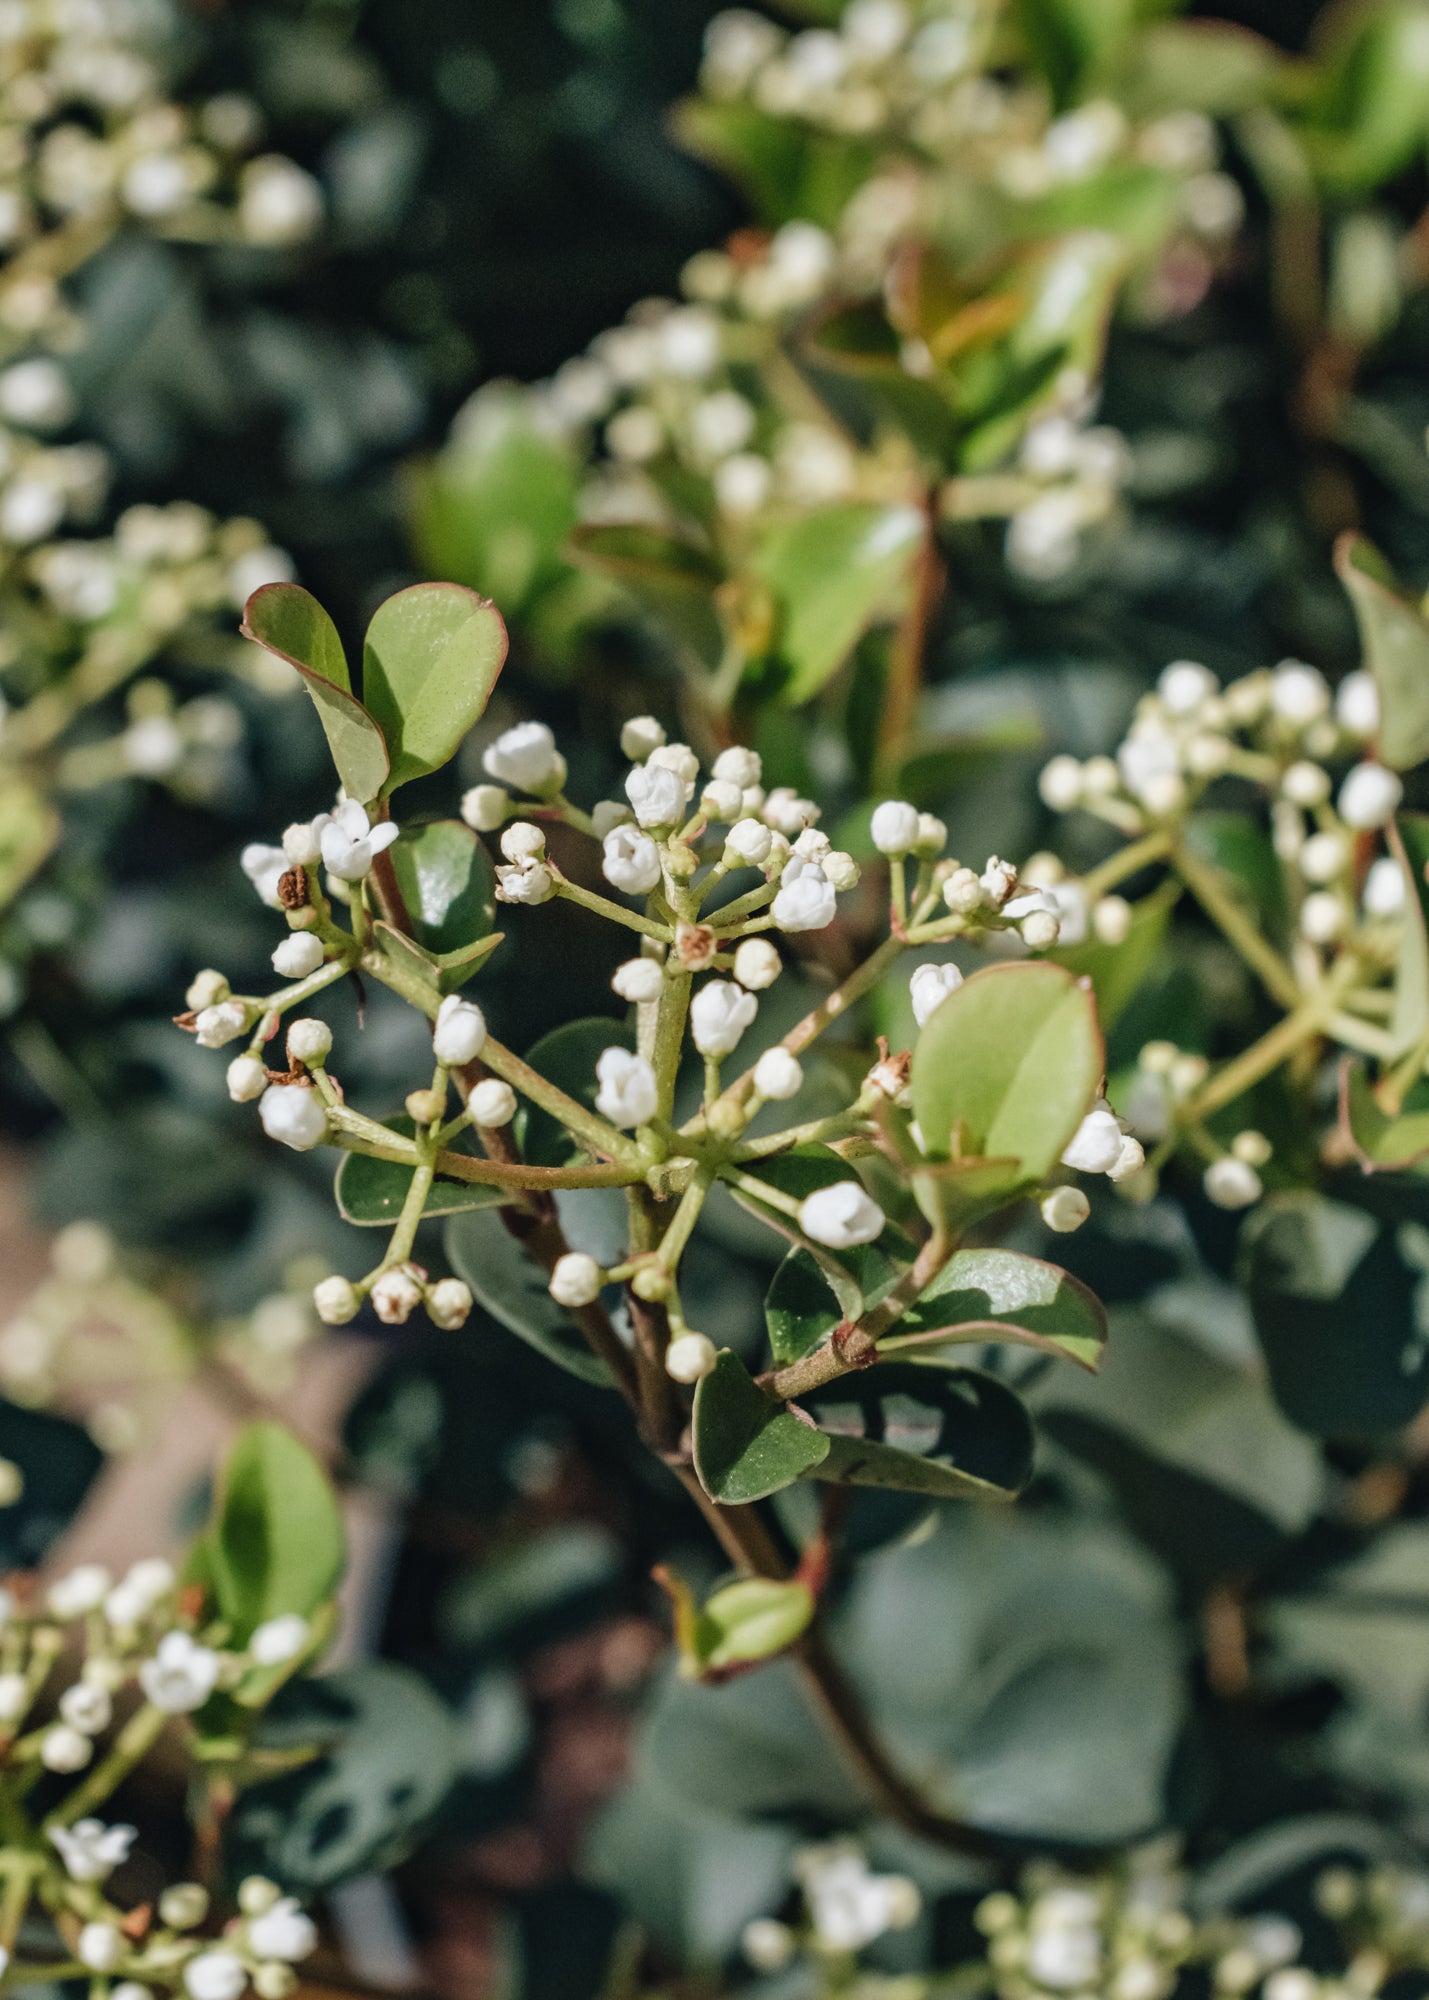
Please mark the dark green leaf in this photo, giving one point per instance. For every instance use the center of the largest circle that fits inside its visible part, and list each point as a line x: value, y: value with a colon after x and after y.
x: 495, y: 508
x: 952, y: 1434
x: 833, y: 574
x: 448, y: 883
x: 745, y: 1445
x: 58, y: 1462
x: 275, y: 1543
x: 1118, y: 971
x: 512, y: 1288
x: 289, y: 621
x: 371, y: 1192
x: 430, y: 661
x: 1408, y: 840
x: 1395, y: 640
x: 1383, y: 1140
x: 1074, y: 40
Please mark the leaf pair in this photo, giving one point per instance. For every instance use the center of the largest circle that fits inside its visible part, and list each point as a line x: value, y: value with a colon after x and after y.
x: 430, y: 660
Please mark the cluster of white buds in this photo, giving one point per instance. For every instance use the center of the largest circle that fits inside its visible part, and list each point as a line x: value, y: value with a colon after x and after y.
x: 1074, y: 473
x: 1385, y: 1915
x: 847, y: 1907
x: 1123, y: 1934
x: 396, y: 1291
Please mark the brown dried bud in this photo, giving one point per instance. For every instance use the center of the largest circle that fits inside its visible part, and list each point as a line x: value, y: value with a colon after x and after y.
x: 293, y: 889
x: 695, y: 946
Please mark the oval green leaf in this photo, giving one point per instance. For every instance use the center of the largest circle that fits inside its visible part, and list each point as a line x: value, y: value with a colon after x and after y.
x: 287, y: 620
x: 512, y: 1288
x: 950, y: 1433
x: 448, y: 884
x: 371, y: 1192
x: 746, y: 1446
x: 1395, y: 640
x: 834, y: 573
x: 275, y: 1544
x: 429, y: 662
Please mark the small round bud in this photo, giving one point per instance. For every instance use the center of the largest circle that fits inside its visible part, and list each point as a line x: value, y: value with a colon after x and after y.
x: 963, y: 892
x: 1232, y: 1183
x: 183, y: 1905
x: 247, y: 1079
x: 841, y: 1216
x: 309, y: 1042
x: 932, y: 836
x: 1111, y: 920
x: 1041, y: 930
x: 757, y: 964
x: 523, y: 841
x: 1130, y: 1160
x: 689, y: 1358
x: 682, y: 861
x: 576, y: 1280
x: 449, y: 1304
x: 272, y: 1980
x: 721, y: 800
x: 767, y: 1944
x: 293, y: 1115
x: 748, y: 843
x: 1322, y: 917
x: 257, y: 1894
x: 894, y: 827
x: 1060, y: 784
x: 1065, y: 1209
x: 651, y: 1283
x: 1324, y: 856
x: 1306, y: 784
x: 639, y: 980
x: 1369, y: 796
x: 738, y: 766
x: 778, y: 1075
x: 641, y: 735
x: 1252, y: 1147
x: 1158, y: 1058
x: 65, y: 1749
x: 460, y: 1032
x: 1357, y: 704
x: 297, y: 956
x: 396, y: 1295
x: 484, y: 807
x: 492, y: 1103
x: 725, y: 1120
x: 840, y: 870
x: 100, y: 1946
x: 14, y: 1698
x: 425, y: 1107
x: 222, y: 1023
x: 302, y: 844
x: 206, y: 989
x: 335, y: 1301
x: 1184, y: 685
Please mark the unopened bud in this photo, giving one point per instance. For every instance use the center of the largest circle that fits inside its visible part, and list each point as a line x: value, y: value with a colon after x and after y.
x: 335, y: 1301
x: 206, y: 989
x: 425, y: 1107
x: 1065, y: 1209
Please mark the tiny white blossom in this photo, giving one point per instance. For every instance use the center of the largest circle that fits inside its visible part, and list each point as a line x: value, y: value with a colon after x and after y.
x: 757, y: 964
x: 298, y: 956
x: 215, y: 1975
x: 526, y: 758
x: 523, y: 841
x: 656, y: 793
x: 639, y: 736
x: 630, y: 860
x: 1298, y: 694
x: 932, y: 836
x: 719, y: 1014
x: 894, y: 827
x: 841, y: 1216
x: 1095, y: 1146
x: 628, y: 1094
x: 690, y: 1357
x: 1384, y: 888
x: 787, y: 813
x: 575, y: 1280
x: 396, y: 1295
x: 1322, y: 917
x: 86, y: 1708
x: 767, y: 1944
x: 807, y: 903
x: 293, y: 1115
x: 1306, y: 784
x: 264, y: 867
x: 449, y: 1304
x: 1232, y: 1183
x: 738, y: 766
x: 82, y: 1590
x: 484, y: 807
x: 1369, y: 796
x: 100, y: 1946
x: 749, y: 841
x: 278, y: 1640
x: 284, y: 1932
x: 151, y: 1578
x: 335, y: 1301
x: 929, y: 986
x: 1060, y: 784
x: 1184, y: 685
x: 278, y: 203
x: 721, y: 800
x: 1324, y: 856
x: 492, y: 1104
x: 65, y: 1749
x: 90, y: 1850
x: 459, y: 1035
x: 529, y: 882
x: 215, y: 1026
x: 742, y: 483
x: 153, y: 746
x: 1065, y: 1209
x: 998, y: 880
x: 638, y: 980
x: 778, y: 1076
x: 309, y: 1041
x: 848, y: 1905
x: 1357, y: 704
x: 963, y: 893
x: 350, y: 843
x: 181, y: 1675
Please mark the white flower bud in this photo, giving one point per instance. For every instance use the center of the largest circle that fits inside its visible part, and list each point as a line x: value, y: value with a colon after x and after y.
x: 284, y: 1932
x: 302, y: 843
x: 1207, y: 756
x: 449, y: 1302
x: 787, y: 813
x: 215, y: 1975
x: 1095, y: 1146
x: 1357, y: 704
x: 749, y: 842
x: 932, y: 836
x: 1131, y: 1159
x: 841, y: 1216
x: 492, y: 1103
x: 335, y: 1301
x: 1322, y: 917
x: 100, y: 1946
x: 14, y: 1698
x: 607, y: 814
x: 639, y: 737
x: 1041, y: 929
x: 459, y: 1035
x: 767, y: 1944
x: 719, y: 1014
x: 183, y: 1904
x: 1298, y: 694
x: 523, y: 841
x: 963, y: 893
x: 206, y: 989
x: 224, y: 1023
x: 1164, y: 793
x: 929, y: 986
x: 65, y: 1749
x: 484, y: 807
x: 1306, y: 784
x: 738, y: 766
x: 1369, y: 796
x: 528, y: 882
x: 721, y: 800
x: 576, y: 1279
x: 1065, y: 1209
x: 257, y: 1894
x: 628, y: 1093
x: 630, y: 860
x: 778, y: 1076
x: 805, y: 903
x: 757, y: 964
x: 1232, y: 1183
x: 894, y: 827
x: 526, y: 758
x: 80, y: 1591
x: 309, y: 1041
x: 293, y: 1115
x: 396, y: 1295
x: 1384, y: 888
x: 1111, y: 920
x: 247, y: 1079
x: 297, y: 956
x: 656, y: 794
x: 638, y: 980
x: 87, y: 1709
x: 1060, y: 784
x: 690, y: 1357
x: 1324, y: 856
x: 1184, y: 685
x: 998, y: 881
x: 351, y: 842
x: 1252, y: 1147
x: 840, y: 870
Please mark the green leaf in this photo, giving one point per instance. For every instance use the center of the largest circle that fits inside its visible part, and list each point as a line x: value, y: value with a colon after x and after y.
x: 448, y: 884
x: 1209, y: 66
x: 1395, y: 639
x: 1408, y: 841
x: 275, y: 1543
x: 803, y: 1306
x: 1335, y: 1297
x: 787, y: 169
x: 746, y: 1446
x: 429, y: 662
x: 495, y: 508
x: 750, y: 1621
x: 512, y: 1288
x: 1118, y: 971
x: 1370, y: 111
x: 835, y: 573
x: 1006, y: 1068
x: 288, y: 620
x: 58, y: 1462
x: 670, y: 577
x: 1072, y: 41
x: 371, y: 1192
x: 953, y: 1434
x: 1382, y: 1140
x: 567, y: 1057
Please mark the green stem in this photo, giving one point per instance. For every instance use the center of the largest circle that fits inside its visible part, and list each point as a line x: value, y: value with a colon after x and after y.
x: 578, y: 1119
x: 1205, y: 884
x: 682, y: 1222
x: 133, y: 1742
x: 1246, y: 1069
x: 420, y: 1186
x: 855, y: 1344
x: 1138, y: 854
x: 615, y: 912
